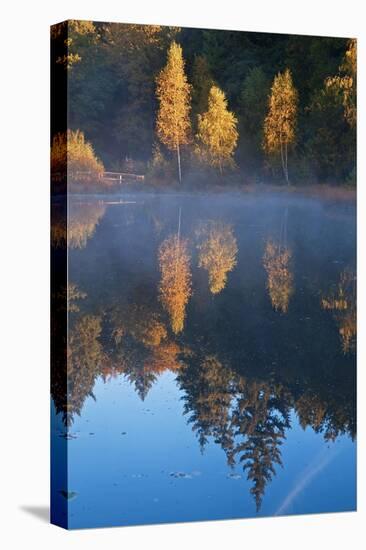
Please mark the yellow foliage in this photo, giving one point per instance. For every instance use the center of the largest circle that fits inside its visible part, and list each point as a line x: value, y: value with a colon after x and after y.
x: 81, y: 224
x: 173, y: 92
x: 164, y: 357
x: 346, y: 83
x: 175, y: 282
x: 71, y: 153
x: 70, y: 31
x: 343, y: 303
x: 145, y: 326
x: 73, y: 294
x: 279, y: 124
x: 279, y: 277
x: 217, y: 133
x: 217, y: 254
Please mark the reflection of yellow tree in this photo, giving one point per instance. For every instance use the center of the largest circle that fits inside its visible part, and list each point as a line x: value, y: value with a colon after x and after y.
x: 74, y: 294
x: 217, y: 254
x: 175, y: 282
x: 82, y: 221
x: 342, y: 302
x: 276, y: 261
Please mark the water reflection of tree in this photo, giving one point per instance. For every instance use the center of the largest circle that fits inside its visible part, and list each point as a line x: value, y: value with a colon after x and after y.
x: 85, y: 357
x: 143, y: 349
x: 175, y: 282
x: 217, y: 253
x: 259, y: 420
x: 276, y: 261
x: 342, y: 301
x: 208, y: 394
x: 79, y: 365
x: 248, y: 416
x: 82, y: 221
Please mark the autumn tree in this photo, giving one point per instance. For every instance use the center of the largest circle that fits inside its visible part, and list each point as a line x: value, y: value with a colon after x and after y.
x: 173, y: 93
x: 217, y: 131
x: 71, y: 154
x: 345, y: 83
x: 280, y: 122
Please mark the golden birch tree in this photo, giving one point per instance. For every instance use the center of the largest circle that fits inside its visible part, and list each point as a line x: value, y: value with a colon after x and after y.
x: 173, y: 93
x: 217, y: 133
x: 280, y: 122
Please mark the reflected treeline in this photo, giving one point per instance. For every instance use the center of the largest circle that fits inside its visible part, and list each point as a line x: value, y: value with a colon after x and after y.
x: 142, y: 348
x: 76, y: 363
x: 82, y: 220
x: 242, y: 408
x: 217, y: 253
x: 241, y: 396
x: 276, y: 261
x: 342, y: 302
x: 247, y: 418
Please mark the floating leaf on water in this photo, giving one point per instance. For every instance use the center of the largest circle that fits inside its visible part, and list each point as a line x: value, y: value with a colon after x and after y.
x: 234, y: 476
x: 69, y: 495
x: 180, y: 475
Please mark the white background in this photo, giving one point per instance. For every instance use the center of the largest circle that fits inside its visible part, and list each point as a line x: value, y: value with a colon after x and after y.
x: 24, y: 273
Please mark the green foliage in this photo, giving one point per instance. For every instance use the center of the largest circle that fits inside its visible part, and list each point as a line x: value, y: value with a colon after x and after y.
x: 252, y: 110
x: 201, y: 84
x: 112, y: 70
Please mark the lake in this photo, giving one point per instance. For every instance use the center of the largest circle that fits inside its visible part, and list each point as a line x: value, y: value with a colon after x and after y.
x: 211, y: 358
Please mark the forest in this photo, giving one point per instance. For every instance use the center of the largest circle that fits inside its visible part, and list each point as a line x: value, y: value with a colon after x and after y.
x: 202, y: 107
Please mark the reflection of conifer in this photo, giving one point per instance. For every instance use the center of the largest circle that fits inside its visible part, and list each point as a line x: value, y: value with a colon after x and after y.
x: 217, y: 253
x: 261, y: 416
x: 207, y: 400
x: 175, y: 282
x: 139, y: 376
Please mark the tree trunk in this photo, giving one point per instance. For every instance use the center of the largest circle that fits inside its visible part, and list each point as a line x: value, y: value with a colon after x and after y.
x: 179, y: 169
x: 288, y: 182
x: 282, y: 159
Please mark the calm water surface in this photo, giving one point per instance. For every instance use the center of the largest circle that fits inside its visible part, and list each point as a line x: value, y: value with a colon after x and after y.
x: 211, y: 359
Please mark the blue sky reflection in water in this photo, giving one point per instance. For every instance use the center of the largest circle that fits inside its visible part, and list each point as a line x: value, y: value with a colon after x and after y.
x: 211, y: 352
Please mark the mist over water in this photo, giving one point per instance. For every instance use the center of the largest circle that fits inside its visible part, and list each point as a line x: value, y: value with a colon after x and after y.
x: 211, y: 351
